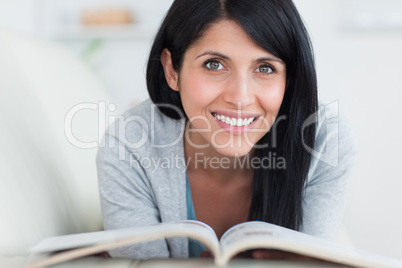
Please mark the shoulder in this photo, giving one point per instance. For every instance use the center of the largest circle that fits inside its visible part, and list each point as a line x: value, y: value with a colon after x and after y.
x: 143, y: 149
x: 146, y: 141
x: 334, y: 148
x: 330, y: 121
x: 146, y: 124
x: 144, y: 127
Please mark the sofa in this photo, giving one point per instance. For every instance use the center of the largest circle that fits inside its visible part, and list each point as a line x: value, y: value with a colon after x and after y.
x: 48, y: 183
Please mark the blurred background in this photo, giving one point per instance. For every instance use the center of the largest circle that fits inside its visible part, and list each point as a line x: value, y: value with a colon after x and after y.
x: 359, y: 62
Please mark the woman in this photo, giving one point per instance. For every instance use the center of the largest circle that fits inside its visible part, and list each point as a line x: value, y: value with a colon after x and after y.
x: 230, y: 132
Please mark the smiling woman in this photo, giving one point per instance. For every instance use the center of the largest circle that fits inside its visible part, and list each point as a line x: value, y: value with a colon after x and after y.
x: 236, y: 95
x: 227, y: 79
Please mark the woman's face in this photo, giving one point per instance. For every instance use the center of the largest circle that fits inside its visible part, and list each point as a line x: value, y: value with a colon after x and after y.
x: 231, y: 90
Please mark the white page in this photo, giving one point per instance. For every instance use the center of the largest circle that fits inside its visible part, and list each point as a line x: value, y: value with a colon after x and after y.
x: 193, y: 229
x: 252, y: 235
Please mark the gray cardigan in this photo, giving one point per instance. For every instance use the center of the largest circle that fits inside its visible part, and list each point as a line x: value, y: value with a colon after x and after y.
x: 142, y: 177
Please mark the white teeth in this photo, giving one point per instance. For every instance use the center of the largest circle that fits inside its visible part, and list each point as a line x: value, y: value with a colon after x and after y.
x: 234, y: 121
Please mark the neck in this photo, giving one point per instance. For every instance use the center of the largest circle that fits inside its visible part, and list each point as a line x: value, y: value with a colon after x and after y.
x: 208, y: 162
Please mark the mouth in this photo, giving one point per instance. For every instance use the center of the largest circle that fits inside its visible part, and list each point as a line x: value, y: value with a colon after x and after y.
x: 235, y: 121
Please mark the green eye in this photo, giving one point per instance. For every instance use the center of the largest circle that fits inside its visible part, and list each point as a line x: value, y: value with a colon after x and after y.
x: 214, y: 65
x: 265, y: 69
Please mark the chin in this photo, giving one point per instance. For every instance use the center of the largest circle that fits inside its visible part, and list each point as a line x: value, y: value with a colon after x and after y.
x: 233, y: 152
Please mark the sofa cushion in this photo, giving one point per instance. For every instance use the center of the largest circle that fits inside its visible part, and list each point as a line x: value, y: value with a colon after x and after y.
x: 47, y: 185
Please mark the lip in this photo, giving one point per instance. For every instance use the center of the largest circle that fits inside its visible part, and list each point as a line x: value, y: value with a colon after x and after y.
x: 234, y: 129
x: 238, y: 114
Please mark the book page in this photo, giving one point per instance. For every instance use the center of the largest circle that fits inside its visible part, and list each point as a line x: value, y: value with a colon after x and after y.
x: 90, y: 243
x: 257, y: 235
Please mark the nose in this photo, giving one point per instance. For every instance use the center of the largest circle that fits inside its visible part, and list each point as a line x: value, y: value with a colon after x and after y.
x: 239, y: 91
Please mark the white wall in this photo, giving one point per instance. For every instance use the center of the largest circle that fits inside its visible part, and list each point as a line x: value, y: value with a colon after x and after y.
x: 119, y: 62
x: 360, y: 68
x: 18, y: 14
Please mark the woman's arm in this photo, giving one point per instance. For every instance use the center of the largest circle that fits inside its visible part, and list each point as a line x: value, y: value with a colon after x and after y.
x: 127, y: 200
x: 326, y: 188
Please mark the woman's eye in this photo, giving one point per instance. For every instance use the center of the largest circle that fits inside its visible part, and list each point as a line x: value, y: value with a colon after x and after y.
x: 265, y: 69
x: 214, y: 65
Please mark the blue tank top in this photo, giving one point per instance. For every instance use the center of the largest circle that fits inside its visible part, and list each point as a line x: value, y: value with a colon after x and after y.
x: 195, y: 248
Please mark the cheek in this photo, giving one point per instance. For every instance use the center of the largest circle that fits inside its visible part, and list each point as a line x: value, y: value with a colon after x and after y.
x: 272, y: 99
x: 195, y: 90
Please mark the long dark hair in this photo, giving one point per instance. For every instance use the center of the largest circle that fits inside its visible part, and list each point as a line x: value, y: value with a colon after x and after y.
x: 276, y: 26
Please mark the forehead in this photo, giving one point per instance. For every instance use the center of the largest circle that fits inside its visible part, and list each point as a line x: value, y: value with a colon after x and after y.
x: 226, y: 36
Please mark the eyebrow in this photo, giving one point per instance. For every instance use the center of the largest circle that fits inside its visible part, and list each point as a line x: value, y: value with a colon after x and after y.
x: 217, y: 54
x: 271, y: 58
x: 213, y: 53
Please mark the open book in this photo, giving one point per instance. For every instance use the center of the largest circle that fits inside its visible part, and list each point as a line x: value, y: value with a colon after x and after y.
x: 239, y: 238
